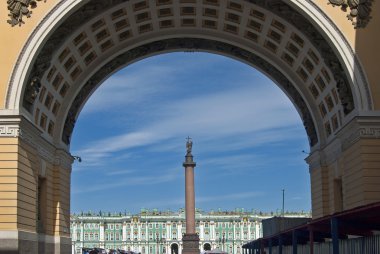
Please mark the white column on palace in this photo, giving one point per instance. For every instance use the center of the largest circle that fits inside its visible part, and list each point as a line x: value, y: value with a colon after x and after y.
x: 124, y: 237
x: 101, y: 232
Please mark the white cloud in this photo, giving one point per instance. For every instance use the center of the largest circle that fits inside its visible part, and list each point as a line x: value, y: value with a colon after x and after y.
x: 120, y: 172
x: 235, y: 114
x: 126, y: 181
x: 128, y: 88
x: 228, y: 197
x: 180, y: 201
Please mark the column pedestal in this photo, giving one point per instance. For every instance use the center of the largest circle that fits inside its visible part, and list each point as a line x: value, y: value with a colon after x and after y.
x: 190, y: 244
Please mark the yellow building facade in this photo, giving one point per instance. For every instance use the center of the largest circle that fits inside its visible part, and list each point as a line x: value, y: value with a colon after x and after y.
x: 54, y: 54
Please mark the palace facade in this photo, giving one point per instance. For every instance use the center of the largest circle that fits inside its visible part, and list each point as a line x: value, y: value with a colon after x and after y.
x: 155, y: 232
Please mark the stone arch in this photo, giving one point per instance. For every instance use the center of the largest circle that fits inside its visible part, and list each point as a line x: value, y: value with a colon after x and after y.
x: 273, y: 36
x: 79, y: 44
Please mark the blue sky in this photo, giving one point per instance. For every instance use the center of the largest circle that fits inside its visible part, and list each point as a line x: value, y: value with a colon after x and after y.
x: 247, y: 139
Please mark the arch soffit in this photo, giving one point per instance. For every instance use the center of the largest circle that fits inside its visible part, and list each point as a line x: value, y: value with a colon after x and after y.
x: 42, y: 65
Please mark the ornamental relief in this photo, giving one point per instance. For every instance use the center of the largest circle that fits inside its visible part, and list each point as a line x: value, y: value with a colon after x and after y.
x: 359, y: 10
x: 20, y: 8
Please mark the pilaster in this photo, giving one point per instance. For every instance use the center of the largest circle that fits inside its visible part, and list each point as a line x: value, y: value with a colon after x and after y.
x: 361, y: 162
x: 29, y: 203
x: 124, y: 231
x: 344, y: 174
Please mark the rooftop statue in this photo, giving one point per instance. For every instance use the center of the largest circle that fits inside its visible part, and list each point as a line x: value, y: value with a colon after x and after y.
x: 360, y: 10
x: 189, y: 145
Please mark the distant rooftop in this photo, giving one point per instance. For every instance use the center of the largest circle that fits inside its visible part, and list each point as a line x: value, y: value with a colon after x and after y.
x: 220, y: 212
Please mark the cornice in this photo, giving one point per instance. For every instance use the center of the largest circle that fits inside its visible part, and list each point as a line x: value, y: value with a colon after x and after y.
x: 359, y: 128
x: 19, y: 127
x: 9, y: 128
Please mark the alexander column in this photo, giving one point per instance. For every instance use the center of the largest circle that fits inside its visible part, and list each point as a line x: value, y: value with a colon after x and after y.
x: 190, y: 238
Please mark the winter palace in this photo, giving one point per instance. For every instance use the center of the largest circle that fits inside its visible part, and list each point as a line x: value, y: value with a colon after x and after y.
x: 156, y: 232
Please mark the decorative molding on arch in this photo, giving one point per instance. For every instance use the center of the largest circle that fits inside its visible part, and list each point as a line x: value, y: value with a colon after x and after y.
x: 344, y: 65
x: 24, y: 53
x: 278, y: 7
x: 359, y: 13
x: 356, y: 65
x: 286, y: 12
x: 193, y: 44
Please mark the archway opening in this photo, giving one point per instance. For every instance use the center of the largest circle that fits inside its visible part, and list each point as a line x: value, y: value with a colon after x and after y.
x: 207, y: 246
x: 232, y: 124
x: 174, y: 248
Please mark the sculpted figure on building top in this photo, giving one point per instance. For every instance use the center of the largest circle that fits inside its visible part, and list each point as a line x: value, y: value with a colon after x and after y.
x: 189, y: 145
x: 359, y: 10
x: 18, y: 9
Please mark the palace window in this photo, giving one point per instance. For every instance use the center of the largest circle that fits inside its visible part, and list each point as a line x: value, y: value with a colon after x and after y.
x: 85, y: 236
x: 96, y: 236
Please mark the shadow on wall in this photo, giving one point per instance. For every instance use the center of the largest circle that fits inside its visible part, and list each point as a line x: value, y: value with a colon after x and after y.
x: 367, y: 43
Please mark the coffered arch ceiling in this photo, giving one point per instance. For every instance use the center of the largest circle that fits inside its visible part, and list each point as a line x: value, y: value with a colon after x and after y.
x: 97, y: 38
